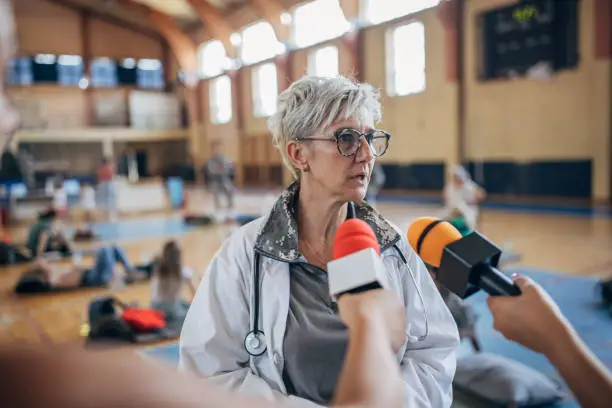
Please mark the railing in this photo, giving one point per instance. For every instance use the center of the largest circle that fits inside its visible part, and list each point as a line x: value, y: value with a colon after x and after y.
x: 157, y: 111
x: 149, y: 121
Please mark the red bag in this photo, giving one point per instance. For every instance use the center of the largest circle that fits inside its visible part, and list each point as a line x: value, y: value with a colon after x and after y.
x: 144, y: 320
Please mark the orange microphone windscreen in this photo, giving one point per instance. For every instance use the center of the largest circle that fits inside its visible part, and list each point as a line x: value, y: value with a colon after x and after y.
x: 353, y: 235
x: 428, y: 236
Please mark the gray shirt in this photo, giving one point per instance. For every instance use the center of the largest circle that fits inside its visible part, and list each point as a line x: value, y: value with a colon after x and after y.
x: 315, y: 338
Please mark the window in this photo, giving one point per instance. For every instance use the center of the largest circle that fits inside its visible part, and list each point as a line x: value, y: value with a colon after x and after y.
x: 127, y: 73
x: 69, y: 70
x: 378, y: 11
x: 318, y: 21
x: 44, y: 68
x: 323, y: 62
x: 220, y: 97
x: 259, y: 43
x: 150, y: 74
x: 103, y: 73
x: 19, y: 71
x: 265, y: 89
x: 212, y: 59
x: 406, y: 59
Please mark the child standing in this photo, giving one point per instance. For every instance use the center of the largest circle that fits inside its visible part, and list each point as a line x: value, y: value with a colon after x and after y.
x: 219, y: 171
x: 88, y: 202
x: 60, y: 199
x: 462, y: 197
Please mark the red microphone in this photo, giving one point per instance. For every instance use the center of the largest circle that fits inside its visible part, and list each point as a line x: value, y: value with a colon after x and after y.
x: 357, y: 266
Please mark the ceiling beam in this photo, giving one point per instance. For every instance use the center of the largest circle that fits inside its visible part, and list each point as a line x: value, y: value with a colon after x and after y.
x: 271, y: 10
x: 215, y: 23
x: 109, y: 18
x: 182, y: 45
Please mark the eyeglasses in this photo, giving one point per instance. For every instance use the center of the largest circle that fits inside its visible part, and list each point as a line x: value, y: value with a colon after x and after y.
x: 349, y: 140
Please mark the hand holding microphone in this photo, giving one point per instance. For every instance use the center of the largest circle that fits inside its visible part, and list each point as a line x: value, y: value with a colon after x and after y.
x: 464, y: 264
x: 532, y: 319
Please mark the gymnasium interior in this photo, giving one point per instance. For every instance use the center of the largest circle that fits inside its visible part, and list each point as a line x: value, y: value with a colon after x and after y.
x: 516, y: 92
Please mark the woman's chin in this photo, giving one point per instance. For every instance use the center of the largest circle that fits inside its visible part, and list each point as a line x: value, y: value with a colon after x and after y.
x: 355, y: 194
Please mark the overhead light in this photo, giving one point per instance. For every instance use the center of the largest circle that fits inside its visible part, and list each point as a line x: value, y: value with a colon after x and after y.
x: 128, y: 63
x: 84, y: 83
x: 70, y: 60
x: 45, y: 59
x: 149, y: 64
x: 236, y: 39
x: 286, y: 19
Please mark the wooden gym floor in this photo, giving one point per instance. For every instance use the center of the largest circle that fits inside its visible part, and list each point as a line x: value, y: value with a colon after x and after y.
x: 568, y: 244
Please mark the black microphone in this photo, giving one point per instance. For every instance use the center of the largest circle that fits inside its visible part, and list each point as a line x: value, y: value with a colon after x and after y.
x: 463, y: 265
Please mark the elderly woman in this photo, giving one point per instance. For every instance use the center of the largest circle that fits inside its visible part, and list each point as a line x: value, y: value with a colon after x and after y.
x: 262, y: 321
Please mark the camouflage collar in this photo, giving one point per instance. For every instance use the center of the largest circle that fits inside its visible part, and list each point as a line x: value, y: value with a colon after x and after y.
x: 279, y: 236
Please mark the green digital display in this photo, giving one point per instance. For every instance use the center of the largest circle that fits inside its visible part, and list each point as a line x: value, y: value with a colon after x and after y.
x: 525, y: 13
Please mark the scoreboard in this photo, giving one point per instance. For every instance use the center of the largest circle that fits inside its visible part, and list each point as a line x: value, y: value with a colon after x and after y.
x: 516, y: 38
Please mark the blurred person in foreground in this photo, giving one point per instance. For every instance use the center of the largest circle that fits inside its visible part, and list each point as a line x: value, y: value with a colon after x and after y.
x: 534, y: 320
x: 75, y: 379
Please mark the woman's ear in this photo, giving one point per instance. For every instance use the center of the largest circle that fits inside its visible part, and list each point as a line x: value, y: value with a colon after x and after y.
x: 299, y: 155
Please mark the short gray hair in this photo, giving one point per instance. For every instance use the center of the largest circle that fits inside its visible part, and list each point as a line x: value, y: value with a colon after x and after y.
x: 311, y: 104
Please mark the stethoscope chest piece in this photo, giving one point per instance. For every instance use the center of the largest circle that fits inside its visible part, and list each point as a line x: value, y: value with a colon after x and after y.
x: 255, y: 343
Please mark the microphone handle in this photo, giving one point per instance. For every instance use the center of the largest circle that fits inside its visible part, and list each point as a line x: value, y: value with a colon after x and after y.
x: 495, y: 282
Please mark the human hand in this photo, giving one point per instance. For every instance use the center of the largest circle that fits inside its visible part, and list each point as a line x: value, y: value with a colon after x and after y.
x: 531, y: 319
x: 380, y: 308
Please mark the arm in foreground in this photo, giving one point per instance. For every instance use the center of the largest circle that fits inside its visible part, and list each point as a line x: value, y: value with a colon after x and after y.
x: 370, y: 376
x: 534, y: 320
x: 105, y: 379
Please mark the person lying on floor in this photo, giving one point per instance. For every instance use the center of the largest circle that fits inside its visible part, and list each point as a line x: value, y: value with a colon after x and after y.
x: 168, y: 283
x: 48, y: 235
x: 74, y: 275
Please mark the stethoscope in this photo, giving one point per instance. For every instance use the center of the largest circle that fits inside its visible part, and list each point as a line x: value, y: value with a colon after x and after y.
x: 255, y: 340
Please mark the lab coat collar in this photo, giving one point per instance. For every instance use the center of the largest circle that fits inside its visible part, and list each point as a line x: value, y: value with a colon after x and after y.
x: 278, y: 238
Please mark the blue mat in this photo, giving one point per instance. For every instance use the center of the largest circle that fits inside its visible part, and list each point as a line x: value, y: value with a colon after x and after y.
x: 568, y: 210
x: 577, y: 300
x: 575, y: 296
x: 139, y: 228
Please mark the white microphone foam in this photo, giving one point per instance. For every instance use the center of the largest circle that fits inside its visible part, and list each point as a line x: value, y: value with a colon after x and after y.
x: 357, y: 269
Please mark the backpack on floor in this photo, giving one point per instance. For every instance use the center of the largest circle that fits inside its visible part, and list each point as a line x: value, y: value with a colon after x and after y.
x: 110, y: 319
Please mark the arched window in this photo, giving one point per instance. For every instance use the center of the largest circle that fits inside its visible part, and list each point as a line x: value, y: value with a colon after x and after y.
x: 259, y: 43
x: 379, y: 11
x: 212, y: 59
x: 318, y: 21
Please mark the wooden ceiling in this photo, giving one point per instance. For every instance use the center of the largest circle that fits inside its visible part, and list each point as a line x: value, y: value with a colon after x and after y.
x: 181, y: 12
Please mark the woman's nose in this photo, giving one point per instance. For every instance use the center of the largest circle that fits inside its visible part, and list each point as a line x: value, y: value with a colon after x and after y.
x: 364, y: 152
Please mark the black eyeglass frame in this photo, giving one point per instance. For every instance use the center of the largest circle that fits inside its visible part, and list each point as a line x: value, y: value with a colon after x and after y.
x: 368, y: 136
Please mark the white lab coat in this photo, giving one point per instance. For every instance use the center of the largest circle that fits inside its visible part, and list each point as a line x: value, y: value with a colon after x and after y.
x: 212, y: 340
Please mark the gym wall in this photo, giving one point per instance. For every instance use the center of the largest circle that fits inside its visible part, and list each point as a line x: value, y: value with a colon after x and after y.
x: 523, y: 137
x: 423, y: 126
x: 45, y: 27
x: 544, y: 137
